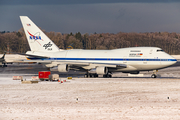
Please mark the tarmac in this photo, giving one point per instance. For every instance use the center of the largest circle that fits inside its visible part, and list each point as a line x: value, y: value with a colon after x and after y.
x: 118, y: 98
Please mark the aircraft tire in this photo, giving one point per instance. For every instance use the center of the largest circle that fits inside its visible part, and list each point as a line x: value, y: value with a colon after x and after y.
x: 104, y: 76
x: 153, y: 76
x: 107, y: 76
x: 110, y: 76
x: 89, y: 76
x: 95, y: 75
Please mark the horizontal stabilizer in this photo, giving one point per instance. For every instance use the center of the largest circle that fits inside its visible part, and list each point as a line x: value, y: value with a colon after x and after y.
x: 30, y: 55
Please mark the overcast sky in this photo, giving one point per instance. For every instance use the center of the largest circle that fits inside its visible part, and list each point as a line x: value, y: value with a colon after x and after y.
x: 100, y: 16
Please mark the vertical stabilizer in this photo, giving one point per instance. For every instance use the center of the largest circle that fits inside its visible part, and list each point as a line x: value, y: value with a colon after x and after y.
x: 37, y: 40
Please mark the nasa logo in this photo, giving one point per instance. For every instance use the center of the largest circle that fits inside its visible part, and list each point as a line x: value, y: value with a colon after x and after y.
x: 47, y: 46
x: 35, y: 37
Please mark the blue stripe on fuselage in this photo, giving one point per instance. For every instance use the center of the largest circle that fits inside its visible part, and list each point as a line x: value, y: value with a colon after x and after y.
x: 104, y: 59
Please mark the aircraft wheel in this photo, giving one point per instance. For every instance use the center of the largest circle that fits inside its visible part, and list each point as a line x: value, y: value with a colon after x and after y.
x: 95, y: 75
x: 153, y: 76
x: 110, y: 76
x: 107, y: 76
x: 104, y: 76
x: 4, y: 65
x: 89, y: 76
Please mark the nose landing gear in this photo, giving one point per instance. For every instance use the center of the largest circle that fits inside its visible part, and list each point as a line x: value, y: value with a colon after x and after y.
x: 154, y: 75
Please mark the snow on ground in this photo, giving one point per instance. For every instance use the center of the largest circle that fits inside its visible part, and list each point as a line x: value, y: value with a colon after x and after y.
x: 98, y: 98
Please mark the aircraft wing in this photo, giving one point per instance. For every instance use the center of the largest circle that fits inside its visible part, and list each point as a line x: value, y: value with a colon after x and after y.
x: 99, y: 64
x: 80, y: 66
x: 77, y: 64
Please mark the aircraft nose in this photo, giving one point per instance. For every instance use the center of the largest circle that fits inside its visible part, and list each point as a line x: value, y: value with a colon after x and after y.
x: 173, y: 61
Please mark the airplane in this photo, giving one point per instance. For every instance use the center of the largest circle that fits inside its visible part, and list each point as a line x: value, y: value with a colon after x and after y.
x: 94, y: 62
x: 2, y: 61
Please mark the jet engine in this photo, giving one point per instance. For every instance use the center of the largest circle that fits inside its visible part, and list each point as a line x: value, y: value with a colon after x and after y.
x: 63, y: 68
x: 101, y: 70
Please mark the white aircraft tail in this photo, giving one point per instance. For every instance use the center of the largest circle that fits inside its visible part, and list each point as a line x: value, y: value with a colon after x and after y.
x: 37, y: 40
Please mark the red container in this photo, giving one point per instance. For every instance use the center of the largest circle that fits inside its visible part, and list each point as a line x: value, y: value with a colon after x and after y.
x: 44, y: 75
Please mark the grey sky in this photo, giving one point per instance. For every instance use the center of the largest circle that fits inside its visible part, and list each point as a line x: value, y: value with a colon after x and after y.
x: 95, y: 16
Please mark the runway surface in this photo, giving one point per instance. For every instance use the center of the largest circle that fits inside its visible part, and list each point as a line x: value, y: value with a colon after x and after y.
x: 120, y: 97
x: 87, y: 99
x: 33, y: 69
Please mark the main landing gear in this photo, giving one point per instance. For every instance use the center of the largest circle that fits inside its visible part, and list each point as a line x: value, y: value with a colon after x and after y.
x: 108, y: 75
x: 3, y: 65
x: 90, y: 75
x: 154, y: 75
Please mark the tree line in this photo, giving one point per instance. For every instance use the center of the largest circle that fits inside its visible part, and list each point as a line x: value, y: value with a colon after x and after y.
x: 169, y: 42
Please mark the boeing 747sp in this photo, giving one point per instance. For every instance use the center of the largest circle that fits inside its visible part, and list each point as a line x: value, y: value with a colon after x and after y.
x: 94, y: 62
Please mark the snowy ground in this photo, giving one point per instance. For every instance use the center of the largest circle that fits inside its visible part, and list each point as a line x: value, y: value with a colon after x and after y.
x: 98, y: 98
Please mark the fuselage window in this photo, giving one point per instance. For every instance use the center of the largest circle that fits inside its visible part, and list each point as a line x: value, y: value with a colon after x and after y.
x: 135, y: 51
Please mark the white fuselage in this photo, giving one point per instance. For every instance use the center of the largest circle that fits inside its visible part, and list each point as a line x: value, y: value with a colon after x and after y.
x: 135, y: 58
x: 43, y: 50
x: 11, y: 58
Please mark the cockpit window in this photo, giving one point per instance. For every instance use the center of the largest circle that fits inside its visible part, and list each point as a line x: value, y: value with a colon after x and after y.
x: 160, y: 50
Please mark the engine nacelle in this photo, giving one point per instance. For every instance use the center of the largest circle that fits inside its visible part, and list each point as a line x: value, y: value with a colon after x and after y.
x: 102, y: 70
x: 63, y: 68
